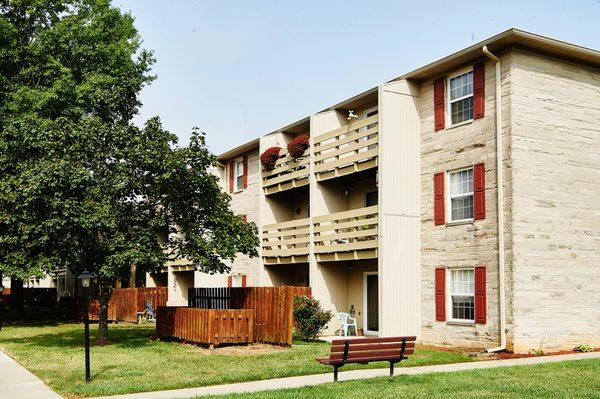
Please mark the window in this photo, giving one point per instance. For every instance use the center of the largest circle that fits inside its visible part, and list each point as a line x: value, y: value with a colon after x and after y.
x: 462, y: 294
x: 460, y: 97
x: 461, y: 195
x: 238, y: 175
x: 371, y: 198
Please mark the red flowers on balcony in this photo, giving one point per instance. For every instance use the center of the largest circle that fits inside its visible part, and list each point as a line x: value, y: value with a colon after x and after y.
x: 297, y: 146
x: 269, y: 157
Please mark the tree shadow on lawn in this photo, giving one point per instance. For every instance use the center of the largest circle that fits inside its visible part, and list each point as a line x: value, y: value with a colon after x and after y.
x: 126, y: 337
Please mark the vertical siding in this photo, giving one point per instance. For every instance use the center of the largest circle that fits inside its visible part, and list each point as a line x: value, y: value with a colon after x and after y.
x: 399, y: 218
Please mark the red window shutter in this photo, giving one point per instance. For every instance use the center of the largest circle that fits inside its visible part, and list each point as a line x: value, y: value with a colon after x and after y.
x: 245, y: 162
x: 479, y: 191
x: 231, y: 172
x: 440, y: 294
x: 438, y: 104
x: 229, y: 281
x: 244, y: 280
x: 478, y: 90
x: 439, y: 211
x: 480, y: 305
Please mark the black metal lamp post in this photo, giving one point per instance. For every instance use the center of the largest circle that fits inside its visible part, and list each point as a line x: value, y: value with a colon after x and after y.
x: 85, y: 279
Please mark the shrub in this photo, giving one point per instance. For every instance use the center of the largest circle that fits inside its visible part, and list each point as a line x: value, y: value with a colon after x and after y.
x: 583, y: 348
x: 309, y: 318
x: 269, y: 157
x: 297, y: 146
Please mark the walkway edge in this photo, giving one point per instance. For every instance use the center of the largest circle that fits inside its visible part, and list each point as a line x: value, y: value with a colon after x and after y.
x: 19, y: 383
x: 316, y: 379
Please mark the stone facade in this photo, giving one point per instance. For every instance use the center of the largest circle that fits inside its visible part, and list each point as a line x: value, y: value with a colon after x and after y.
x: 246, y: 202
x: 556, y: 213
x: 465, y: 244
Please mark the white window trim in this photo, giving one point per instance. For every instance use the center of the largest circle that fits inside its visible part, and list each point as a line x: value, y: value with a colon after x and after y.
x: 449, y: 199
x: 449, y: 102
x: 235, y: 183
x: 449, y: 296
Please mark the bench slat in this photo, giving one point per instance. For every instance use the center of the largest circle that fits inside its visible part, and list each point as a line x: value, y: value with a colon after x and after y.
x: 337, y: 342
x: 369, y: 355
x: 363, y: 347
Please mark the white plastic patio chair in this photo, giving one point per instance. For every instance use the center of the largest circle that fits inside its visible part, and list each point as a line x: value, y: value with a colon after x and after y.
x: 347, y: 322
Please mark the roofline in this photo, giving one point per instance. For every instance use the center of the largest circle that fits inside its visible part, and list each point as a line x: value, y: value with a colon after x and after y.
x: 239, y: 150
x: 512, y: 36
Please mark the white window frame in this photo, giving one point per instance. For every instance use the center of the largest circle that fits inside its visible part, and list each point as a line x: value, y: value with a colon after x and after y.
x: 449, y: 295
x: 239, y: 161
x: 449, y: 101
x: 449, y: 198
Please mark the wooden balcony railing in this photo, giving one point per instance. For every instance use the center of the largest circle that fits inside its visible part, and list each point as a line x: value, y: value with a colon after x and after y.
x: 347, y: 235
x: 286, y: 242
x: 349, y: 149
x: 288, y: 173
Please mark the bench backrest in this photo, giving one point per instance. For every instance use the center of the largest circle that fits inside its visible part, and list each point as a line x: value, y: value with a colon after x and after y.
x: 371, y: 349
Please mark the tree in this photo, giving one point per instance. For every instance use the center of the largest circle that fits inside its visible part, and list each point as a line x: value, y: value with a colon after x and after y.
x: 80, y: 185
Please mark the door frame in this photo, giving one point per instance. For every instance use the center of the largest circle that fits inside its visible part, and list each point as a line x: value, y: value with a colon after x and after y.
x: 365, y: 304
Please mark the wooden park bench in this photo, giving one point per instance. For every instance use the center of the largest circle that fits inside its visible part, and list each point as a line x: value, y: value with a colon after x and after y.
x: 366, y: 350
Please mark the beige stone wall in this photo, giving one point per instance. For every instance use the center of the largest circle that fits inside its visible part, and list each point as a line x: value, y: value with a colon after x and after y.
x: 556, y: 150
x: 468, y: 244
x: 246, y: 202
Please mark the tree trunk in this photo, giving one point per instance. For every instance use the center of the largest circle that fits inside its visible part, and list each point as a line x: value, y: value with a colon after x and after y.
x: 17, y: 306
x: 103, y: 317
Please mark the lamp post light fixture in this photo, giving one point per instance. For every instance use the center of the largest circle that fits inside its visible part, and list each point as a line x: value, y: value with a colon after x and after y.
x: 85, y: 278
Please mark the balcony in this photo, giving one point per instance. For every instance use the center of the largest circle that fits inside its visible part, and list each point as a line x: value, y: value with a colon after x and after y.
x: 286, y: 242
x: 288, y: 173
x: 346, y: 235
x: 349, y: 149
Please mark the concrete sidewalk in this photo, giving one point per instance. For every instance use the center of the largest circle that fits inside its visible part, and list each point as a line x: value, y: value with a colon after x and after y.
x: 295, y: 382
x: 16, y: 382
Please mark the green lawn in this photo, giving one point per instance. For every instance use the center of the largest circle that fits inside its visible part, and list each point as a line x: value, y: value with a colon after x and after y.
x: 135, y: 362
x: 573, y: 379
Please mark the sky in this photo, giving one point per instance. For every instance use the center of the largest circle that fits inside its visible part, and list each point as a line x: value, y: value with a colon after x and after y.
x: 240, y: 69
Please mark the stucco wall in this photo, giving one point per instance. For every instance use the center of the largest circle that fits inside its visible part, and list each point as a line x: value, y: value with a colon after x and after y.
x: 556, y: 147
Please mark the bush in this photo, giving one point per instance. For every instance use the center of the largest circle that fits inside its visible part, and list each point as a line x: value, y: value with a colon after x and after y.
x: 309, y: 318
x: 583, y: 348
x: 269, y: 157
x: 297, y: 146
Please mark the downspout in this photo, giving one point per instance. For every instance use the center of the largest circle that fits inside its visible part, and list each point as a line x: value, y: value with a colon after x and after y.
x: 500, y: 185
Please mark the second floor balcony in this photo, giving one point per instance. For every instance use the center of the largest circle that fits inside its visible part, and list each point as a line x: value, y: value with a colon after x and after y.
x: 347, y: 235
x: 286, y: 242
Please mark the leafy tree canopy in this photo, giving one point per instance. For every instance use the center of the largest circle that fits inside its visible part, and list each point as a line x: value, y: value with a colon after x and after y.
x: 80, y: 185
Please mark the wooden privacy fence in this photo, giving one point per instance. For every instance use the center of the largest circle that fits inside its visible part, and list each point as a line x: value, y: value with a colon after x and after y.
x: 34, y: 296
x: 273, y: 307
x: 125, y: 303
x: 206, y: 326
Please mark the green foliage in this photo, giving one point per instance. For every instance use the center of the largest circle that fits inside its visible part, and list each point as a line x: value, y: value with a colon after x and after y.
x: 80, y: 185
x: 583, y: 348
x: 309, y: 318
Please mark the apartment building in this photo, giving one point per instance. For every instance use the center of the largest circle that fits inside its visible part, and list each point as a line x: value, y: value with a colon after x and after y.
x: 394, y: 213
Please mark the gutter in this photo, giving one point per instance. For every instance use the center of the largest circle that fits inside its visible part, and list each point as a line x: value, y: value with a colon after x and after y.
x: 500, y: 185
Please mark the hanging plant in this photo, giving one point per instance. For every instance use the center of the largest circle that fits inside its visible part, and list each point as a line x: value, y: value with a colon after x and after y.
x: 297, y: 146
x: 269, y: 157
